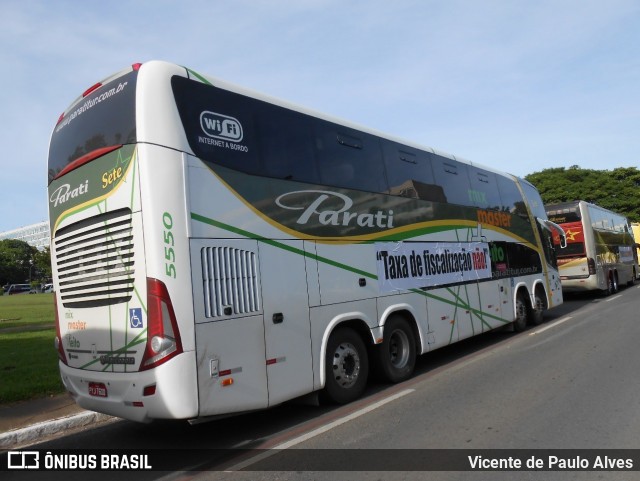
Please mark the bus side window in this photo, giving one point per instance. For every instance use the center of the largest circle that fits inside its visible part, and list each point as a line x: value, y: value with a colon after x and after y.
x: 453, y: 177
x: 484, y: 189
x: 286, y: 144
x: 511, y: 198
x: 349, y: 159
x: 193, y: 99
x: 409, y: 173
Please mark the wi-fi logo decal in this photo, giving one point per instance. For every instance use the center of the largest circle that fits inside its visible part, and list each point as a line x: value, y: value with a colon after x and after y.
x: 221, y: 127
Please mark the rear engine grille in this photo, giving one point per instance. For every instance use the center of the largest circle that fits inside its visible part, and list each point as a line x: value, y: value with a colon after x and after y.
x: 95, y: 259
x: 230, y: 279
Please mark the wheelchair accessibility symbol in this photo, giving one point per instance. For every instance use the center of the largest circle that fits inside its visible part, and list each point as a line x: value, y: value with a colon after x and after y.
x: 135, y: 317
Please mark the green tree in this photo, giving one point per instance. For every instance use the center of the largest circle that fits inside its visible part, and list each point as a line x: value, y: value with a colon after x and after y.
x: 42, y: 263
x: 617, y: 190
x: 16, y: 259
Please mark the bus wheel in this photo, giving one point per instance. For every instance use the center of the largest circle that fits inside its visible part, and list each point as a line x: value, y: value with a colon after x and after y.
x: 346, y: 366
x: 612, y: 284
x: 397, y: 353
x: 537, y: 313
x: 520, y: 322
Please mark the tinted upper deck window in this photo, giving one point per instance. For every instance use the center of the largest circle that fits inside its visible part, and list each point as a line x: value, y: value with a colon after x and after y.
x: 219, y: 124
x: 533, y: 199
x: 286, y: 144
x: 484, y: 189
x: 348, y: 158
x: 273, y: 141
x: 409, y: 173
x: 453, y: 177
x: 511, y: 197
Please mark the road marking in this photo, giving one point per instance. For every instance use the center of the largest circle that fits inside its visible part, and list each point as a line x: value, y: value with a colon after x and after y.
x: 557, y: 323
x: 613, y: 298
x: 318, y: 431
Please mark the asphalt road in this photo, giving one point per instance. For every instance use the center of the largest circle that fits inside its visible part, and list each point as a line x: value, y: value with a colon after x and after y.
x: 571, y: 383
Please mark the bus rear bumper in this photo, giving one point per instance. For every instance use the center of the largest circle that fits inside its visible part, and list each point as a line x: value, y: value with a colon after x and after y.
x: 133, y: 396
x: 580, y: 283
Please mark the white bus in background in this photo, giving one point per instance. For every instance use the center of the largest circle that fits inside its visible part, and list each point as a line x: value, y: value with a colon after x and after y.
x: 215, y: 250
x: 600, y: 253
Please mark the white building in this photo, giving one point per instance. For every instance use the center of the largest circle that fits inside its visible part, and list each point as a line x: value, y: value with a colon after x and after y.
x: 37, y: 235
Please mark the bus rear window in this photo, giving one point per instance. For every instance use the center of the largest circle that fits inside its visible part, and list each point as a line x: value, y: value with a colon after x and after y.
x: 103, y: 118
x: 563, y: 215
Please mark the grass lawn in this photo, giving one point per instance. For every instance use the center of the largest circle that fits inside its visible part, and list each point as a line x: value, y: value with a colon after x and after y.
x: 28, y: 359
x: 26, y: 310
x: 28, y: 365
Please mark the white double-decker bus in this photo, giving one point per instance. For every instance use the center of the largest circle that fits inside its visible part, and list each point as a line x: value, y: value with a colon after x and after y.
x: 216, y: 251
x: 600, y: 252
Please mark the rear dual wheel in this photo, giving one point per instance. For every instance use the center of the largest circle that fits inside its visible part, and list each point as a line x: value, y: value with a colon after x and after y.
x: 612, y: 284
x: 396, y: 356
x: 347, y: 362
x: 522, y: 309
x: 537, y: 312
x: 527, y: 314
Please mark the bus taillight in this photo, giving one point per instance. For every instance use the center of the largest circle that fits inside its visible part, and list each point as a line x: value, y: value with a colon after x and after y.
x: 592, y: 266
x: 58, y: 340
x: 93, y: 88
x: 163, y: 336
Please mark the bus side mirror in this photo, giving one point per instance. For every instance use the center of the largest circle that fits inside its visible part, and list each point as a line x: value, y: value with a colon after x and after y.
x: 563, y: 241
x: 556, y: 230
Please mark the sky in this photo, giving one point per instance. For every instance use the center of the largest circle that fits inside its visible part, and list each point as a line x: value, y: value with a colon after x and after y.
x: 516, y: 85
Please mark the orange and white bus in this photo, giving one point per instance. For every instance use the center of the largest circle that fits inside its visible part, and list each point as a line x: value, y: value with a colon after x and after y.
x: 635, y: 230
x: 600, y: 253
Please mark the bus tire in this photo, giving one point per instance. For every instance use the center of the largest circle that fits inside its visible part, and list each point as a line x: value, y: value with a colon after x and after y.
x: 396, y: 355
x: 346, y: 366
x: 537, y: 311
x: 612, y: 284
x: 522, y: 308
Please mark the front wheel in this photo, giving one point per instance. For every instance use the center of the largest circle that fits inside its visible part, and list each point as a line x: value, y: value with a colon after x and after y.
x: 346, y: 366
x: 397, y: 353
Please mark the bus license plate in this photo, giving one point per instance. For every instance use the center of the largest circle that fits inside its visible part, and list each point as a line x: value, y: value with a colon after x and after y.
x: 97, y: 389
